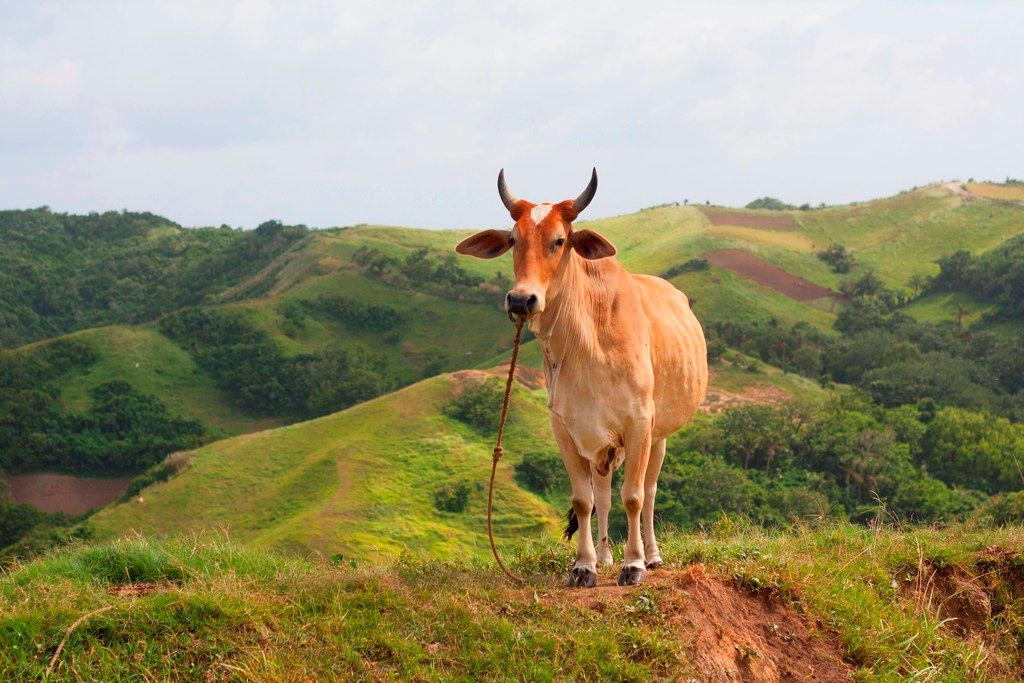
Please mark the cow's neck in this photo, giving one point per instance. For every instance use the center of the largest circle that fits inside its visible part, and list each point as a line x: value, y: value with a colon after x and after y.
x: 578, y: 307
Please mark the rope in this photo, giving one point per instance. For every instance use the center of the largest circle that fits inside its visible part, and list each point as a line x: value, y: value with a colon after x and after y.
x: 499, y: 451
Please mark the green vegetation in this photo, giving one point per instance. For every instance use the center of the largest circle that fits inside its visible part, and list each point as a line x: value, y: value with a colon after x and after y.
x: 770, y: 203
x: 360, y: 483
x: 253, y: 370
x: 60, y: 272
x: 122, y: 431
x: 197, y: 608
x: 996, y: 276
x: 893, y: 357
x: 838, y: 258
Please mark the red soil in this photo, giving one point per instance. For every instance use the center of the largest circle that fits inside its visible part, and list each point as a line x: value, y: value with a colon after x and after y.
x: 751, y: 267
x: 65, y: 493
x: 731, y: 633
x: 782, y: 221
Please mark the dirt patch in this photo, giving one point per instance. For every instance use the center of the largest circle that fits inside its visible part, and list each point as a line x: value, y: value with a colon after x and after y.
x: 782, y: 221
x: 950, y: 594
x: 747, y: 265
x: 732, y: 634
x: 719, y: 400
x: 65, y: 493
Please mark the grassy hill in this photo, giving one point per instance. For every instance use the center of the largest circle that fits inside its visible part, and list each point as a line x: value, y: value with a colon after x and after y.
x: 359, y: 483
x: 829, y: 604
x: 899, y: 237
x: 362, y: 482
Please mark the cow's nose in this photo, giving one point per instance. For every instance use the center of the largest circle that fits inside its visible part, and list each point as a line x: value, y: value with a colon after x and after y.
x: 520, y: 304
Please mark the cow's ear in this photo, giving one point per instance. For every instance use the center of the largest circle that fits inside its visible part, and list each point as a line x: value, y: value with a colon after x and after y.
x: 486, y: 244
x: 590, y: 245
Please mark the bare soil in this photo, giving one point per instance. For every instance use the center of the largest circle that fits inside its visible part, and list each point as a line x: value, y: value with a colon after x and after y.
x: 747, y: 265
x: 782, y: 221
x: 732, y: 634
x: 65, y: 493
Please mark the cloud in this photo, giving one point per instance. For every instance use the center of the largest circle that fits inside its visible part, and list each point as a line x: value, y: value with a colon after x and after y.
x: 335, y: 113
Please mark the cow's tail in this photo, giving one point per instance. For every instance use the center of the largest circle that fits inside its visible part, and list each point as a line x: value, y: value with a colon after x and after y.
x: 573, y: 524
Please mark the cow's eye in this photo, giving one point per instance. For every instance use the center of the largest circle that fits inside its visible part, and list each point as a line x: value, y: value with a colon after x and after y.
x: 560, y: 241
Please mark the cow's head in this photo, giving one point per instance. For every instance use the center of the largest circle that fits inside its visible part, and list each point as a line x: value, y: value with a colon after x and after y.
x: 542, y: 243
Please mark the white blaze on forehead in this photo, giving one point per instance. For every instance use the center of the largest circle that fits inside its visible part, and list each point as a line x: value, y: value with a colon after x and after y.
x: 539, y: 213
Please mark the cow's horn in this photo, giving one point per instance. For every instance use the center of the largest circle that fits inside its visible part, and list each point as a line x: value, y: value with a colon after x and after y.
x: 507, y: 198
x: 587, y: 195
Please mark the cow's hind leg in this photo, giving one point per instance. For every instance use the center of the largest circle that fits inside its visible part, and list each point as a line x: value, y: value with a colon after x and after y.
x: 603, y: 504
x: 584, y: 573
x: 652, y: 556
x: 638, y: 451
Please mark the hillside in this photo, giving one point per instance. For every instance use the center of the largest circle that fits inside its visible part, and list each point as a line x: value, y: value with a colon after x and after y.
x: 832, y: 603
x: 359, y: 483
x: 440, y: 323
x: 323, y: 321
x: 362, y: 483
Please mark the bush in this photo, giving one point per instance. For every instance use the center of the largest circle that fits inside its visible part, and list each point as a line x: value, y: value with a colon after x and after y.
x: 693, y: 265
x: 540, y: 471
x: 770, y: 203
x: 452, y: 497
x: 838, y: 258
x: 479, y: 405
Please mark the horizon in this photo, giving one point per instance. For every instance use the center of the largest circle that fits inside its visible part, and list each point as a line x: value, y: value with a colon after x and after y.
x: 812, y: 207
x: 323, y: 115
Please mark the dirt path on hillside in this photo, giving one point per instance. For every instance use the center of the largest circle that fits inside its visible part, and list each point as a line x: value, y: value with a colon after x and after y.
x: 747, y: 265
x: 731, y: 634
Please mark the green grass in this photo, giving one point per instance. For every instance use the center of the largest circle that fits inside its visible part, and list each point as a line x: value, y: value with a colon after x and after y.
x: 945, y: 307
x: 359, y: 483
x: 155, y: 365
x: 202, y: 608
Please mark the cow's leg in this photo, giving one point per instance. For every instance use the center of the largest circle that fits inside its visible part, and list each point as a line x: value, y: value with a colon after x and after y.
x: 638, y: 452
x: 603, y: 504
x: 584, y: 573
x: 652, y: 556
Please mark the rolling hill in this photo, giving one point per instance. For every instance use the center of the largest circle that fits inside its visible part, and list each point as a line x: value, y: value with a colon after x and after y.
x: 394, y: 304
x: 448, y: 329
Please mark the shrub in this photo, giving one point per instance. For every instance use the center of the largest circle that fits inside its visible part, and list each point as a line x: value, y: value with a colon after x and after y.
x: 479, y: 405
x: 770, y: 203
x: 452, y: 497
x: 838, y: 258
x: 540, y: 471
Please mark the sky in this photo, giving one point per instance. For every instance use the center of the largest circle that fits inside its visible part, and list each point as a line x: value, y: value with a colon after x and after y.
x: 333, y: 114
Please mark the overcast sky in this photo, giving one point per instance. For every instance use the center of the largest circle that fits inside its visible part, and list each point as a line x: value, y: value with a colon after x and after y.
x: 334, y: 114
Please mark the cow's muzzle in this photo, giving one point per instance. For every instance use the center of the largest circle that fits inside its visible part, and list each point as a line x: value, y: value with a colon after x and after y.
x: 520, y: 304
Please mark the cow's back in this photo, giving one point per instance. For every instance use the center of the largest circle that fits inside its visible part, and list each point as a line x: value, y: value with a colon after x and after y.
x: 678, y: 354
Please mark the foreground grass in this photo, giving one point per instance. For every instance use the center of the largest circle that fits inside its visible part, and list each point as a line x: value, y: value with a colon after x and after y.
x: 199, y: 608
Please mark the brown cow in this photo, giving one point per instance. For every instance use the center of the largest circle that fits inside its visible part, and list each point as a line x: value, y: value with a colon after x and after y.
x: 625, y: 362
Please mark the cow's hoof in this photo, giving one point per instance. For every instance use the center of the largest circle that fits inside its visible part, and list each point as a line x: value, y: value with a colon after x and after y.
x: 631, y: 576
x: 655, y: 564
x: 582, y: 577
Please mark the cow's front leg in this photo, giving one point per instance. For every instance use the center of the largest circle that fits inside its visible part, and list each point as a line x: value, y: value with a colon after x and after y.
x: 638, y: 451
x: 652, y: 556
x: 603, y: 504
x: 584, y: 573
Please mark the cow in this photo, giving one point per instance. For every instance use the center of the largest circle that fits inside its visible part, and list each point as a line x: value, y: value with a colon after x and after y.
x: 625, y: 362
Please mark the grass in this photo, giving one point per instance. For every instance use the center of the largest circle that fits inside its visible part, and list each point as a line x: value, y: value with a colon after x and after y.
x: 203, y: 607
x: 359, y: 483
x: 945, y: 307
x: 155, y: 365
